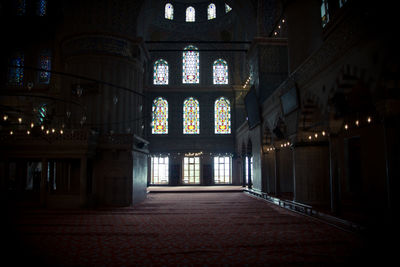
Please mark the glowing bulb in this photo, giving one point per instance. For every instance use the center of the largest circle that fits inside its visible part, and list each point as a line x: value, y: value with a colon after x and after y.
x: 309, y: 137
x: 20, y: 120
x: 316, y: 135
x: 11, y: 132
x: 369, y: 119
x: 53, y: 130
x: 357, y: 122
x: 323, y: 133
x: 5, y: 117
x: 283, y: 20
x: 32, y: 124
x: 42, y: 127
x: 47, y: 131
x: 28, y: 132
x: 61, y: 131
x: 346, y: 126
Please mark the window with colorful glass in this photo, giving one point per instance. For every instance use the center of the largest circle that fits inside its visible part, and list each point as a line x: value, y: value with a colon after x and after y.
x: 16, y: 69
x: 42, y: 113
x: 191, y: 116
x: 222, y: 116
x: 211, y: 11
x: 42, y: 8
x: 160, y: 76
x: 324, y: 13
x: 190, y: 65
x: 190, y: 14
x: 160, y: 116
x: 220, y: 72
x: 21, y: 7
x: 169, y: 11
x: 44, y: 64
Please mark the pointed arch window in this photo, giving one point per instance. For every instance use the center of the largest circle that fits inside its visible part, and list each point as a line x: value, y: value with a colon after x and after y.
x: 211, y: 11
x: 222, y: 116
x: 169, y: 11
x: 220, y: 72
x: 16, y: 71
x: 160, y: 116
x: 42, y: 8
x: 190, y: 14
x: 191, y: 116
x: 191, y: 65
x: 45, y: 65
x: 160, y: 73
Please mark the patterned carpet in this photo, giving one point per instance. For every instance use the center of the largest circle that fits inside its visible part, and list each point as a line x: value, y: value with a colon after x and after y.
x: 180, y: 229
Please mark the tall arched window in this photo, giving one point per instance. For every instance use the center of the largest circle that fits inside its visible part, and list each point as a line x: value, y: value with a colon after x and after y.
x: 222, y: 116
x: 160, y: 75
x: 190, y: 14
x: 42, y: 7
x: 160, y: 116
x: 211, y: 11
x: 220, y: 72
x: 191, y: 116
x: 16, y: 71
x: 169, y: 11
x: 191, y: 65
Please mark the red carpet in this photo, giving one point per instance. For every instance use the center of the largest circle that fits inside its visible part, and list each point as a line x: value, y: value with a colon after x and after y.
x: 183, y: 229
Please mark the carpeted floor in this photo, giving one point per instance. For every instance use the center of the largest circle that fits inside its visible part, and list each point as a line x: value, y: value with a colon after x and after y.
x: 181, y: 229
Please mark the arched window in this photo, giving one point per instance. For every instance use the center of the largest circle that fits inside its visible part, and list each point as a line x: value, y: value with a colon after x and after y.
x: 160, y: 116
x: 16, y: 71
x: 222, y: 116
x: 211, y: 11
x: 191, y: 65
x: 220, y: 72
x: 190, y: 14
x: 169, y: 11
x: 191, y: 116
x: 160, y: 75
x: 42, y: 7
x: 45, y: 64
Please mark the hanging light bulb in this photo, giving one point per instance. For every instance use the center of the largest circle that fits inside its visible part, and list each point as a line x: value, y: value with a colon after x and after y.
x: 369, y: 119
x: 61, y: 131
x: 309, y: 137
x: 32, y: 125
x: 53, y: 130
x: 5, y: 117
x: 346, y: 126
x: 19, y: 120
x: 28, y: 132
x: 42, y: 127
x: 11, y: 132
x: 323, y: 133
x: 47, y: 131
x: 357, y: 122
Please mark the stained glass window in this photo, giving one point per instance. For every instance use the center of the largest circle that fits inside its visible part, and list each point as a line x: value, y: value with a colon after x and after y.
x: 191, y: 116
x: 169, y: 11
x: 222, y: 170
x: 16, y: 71
x: 42, y: 7
x: 191, y: 65
x: 159, y: 170
x: 160, y: 116
x: 44, y: 64
x: 324, y: 12
x: 227, y: 8
x: 160, y: 75
x: 222, y: 116
x: 191, y: 170
x: 220, y: 72
x: 42, y: 113
x: 21, y: 7
x: 211, y: 11
x: 190, y: 14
